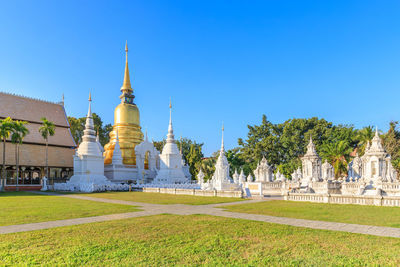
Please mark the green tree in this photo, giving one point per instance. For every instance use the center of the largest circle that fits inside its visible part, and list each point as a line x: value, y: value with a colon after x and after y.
x: 364, y: 136
x: 47, y: 129
x: 391, y: 142
x: 77, y: 125
x: 284, y: 144
x: 208, y: 167
x: 338, y: 155
x: 6, y: 126
x: 19, y: 131
x: 195, y: 155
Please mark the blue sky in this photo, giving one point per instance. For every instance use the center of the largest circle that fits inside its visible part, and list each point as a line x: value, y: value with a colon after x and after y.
x: 220, y: 61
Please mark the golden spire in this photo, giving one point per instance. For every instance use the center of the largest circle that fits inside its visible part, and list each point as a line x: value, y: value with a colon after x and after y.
x: 126, y: 86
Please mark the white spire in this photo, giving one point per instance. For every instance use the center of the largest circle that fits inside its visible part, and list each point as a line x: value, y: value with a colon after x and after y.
x: 89, y: 132
x: 88, y: 145
x: 117, y: 154
x: 311, y: 151
x: 222, y: 142
x: 89, y: 114
x: 170, y: 135
x: 147, y: 139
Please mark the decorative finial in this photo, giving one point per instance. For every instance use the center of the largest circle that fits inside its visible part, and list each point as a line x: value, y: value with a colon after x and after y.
x: 222, y: 142
x: 116, y: 136
x: 170, y: 111
x: 170, y: 135
x: 181, y: 145
x: 146, y: 136
x: 126, y: 85
x: 62, y: 99
x: 90, y: 106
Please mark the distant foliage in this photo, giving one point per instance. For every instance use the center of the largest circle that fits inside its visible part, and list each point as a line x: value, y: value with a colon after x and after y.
x: 78, y: 125
x: 283, y: 144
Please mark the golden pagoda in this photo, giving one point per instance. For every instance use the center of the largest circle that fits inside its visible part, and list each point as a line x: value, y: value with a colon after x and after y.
x: 127, y: 122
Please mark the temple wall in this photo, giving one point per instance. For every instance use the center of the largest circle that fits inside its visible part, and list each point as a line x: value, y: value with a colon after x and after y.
x: 195, y: 192
x: 391, y: 201
x: 35, y: 155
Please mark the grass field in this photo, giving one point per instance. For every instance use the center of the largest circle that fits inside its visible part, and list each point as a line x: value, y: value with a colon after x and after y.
x: 24, y: 207
x: 357, y: 214
x: 158, y: 198
x: 193, y: 240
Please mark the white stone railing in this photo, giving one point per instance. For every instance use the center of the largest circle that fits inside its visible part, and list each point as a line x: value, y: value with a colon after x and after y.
x: 194, y: 192
x: 392, y: 201
x: 172, y: 186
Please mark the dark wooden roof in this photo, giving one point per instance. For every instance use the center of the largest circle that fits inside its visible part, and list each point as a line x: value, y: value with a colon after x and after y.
x: 32, y: 110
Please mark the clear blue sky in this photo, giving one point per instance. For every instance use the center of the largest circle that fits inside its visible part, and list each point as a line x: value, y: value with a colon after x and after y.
x: 229, y: 61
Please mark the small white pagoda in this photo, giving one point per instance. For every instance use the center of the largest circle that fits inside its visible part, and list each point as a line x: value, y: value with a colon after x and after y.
x: 221, y: 179
x: 88, y: 162
x: 311, y: 165
x: 264, y: 172
x: 171, y: 169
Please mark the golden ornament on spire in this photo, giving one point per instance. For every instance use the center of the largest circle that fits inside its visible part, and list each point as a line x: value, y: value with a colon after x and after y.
x: 126, y: 85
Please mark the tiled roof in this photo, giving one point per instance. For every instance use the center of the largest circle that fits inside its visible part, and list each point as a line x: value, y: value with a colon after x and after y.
x: 29, y: 109
x: 62, y: 136
x: 32, y: 110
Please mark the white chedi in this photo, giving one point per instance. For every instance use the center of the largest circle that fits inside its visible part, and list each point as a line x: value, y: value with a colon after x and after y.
x: 88, y: 162
x: 200, y: 177
x: 249, y: 178
x: 264, y: 172
x: 171, y: 171
x: 235, y: 177
x: 280, y: 177
x: 374, y: 166
x: 221, y: 179
x: 297, y: 175
x: 355, y: 169
x: 328, y: 172
x: 242, y: 177
x: 311, y: 165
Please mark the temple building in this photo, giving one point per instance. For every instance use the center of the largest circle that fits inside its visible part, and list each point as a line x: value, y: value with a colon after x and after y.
x: 32, y: 152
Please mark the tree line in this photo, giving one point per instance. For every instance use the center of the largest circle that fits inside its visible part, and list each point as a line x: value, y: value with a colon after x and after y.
x: 282, y: 144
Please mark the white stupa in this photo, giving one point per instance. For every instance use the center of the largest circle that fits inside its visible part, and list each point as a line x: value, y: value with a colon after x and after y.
x: 221, y: 179
x: 171, y: 171
x: 88, y: 161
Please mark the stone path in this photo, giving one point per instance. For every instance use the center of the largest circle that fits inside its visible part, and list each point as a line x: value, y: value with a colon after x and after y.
x: 212, y: 209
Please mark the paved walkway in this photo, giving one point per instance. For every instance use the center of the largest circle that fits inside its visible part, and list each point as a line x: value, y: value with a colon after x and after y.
x: 213, y: 209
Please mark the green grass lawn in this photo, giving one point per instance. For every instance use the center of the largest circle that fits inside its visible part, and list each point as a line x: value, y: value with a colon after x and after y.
x: 368, y: 215
x: 24, y: 207
x: 159, y: 198
x: 194, y: 240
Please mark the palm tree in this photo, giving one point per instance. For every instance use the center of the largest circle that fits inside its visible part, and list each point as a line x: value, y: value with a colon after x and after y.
x: 47, y: 129
x: 5, y: 131
x: 364, y: 136
x: 19, y: 131
x: 337, y: 154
